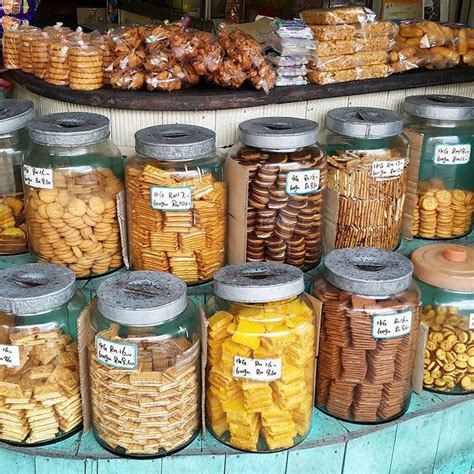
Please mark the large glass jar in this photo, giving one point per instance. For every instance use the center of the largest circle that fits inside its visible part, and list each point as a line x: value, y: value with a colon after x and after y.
x: 441, y: 132
x: 177, y: 200
x: 145, y: 365
x: 72, y: 178
x: 261, y: 357
x: 14, y: 116
x: 367, y: 178
x: 276, y: 194
x: 368, y: 335
x: 445, y: 275
x: 39, y: 367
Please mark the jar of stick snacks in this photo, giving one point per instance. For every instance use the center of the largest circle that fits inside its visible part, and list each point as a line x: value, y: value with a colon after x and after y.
x: 73, y: 178
x: 261, y: 357
x: 145, y: 368
x: 441, y: 132
x: 445, y: 275
x: 369, y: 334
x: 39, y: 367
x: 176, y: 199
x: 367, y: 178
x: 14, y: 116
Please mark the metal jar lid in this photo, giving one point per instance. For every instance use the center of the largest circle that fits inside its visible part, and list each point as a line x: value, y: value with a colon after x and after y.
x: 278, y: 133
x: 364, y: 122
x: 142, y: 298
x: 368, y: 271
x: 440, y: 107
x: 258, y: 282
x: 69, y: 129
x: 175, y: 142
x: 15, y: 114
x: 35, y: 288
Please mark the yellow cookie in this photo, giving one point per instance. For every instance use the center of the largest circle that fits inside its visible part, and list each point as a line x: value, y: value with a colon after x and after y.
x: 77, y: 207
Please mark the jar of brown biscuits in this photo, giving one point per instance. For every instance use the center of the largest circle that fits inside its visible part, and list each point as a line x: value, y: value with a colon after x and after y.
x: 176, y: 198
x: 445, y: 275
x: 441, y: 132
x: 276, y: 177
x: 144, y: 355
x: 369, y: 334
x: 14, y: 117
x: 39, y: 367
x: 367, y: 178
x: 73, y: 182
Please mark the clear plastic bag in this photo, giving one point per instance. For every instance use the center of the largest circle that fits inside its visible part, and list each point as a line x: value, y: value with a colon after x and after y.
x: 292, y: 29
x: 130, y: 79
x: 285, y: 61
x: 292, y: 46
x: 338, y: 16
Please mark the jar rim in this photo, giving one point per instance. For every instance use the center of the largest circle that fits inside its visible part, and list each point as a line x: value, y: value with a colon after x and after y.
x: 15, y: 114
x: 440, y: 107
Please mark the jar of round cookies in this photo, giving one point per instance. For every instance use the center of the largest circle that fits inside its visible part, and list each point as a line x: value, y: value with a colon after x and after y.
x: 276, y: 193
x: 144, y: 365
x: 441, y: 132
x: 367, y: 178
x: 369, y: 334
x: 73, y: 178
x: 14, y: 116
x: 261, y: 355
x: 445, y: 275
x: 176, y: 198
x: 39, y: 368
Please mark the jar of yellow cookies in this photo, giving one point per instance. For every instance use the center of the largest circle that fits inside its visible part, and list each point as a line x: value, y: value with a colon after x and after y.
x: 445, y: 275
x: 14, y: 116
x: 441, y: 132
x: 261, y: 356
x: 73, y: 178
x: 144, y: 355
x: 39, y: 368
x: 176, y: 199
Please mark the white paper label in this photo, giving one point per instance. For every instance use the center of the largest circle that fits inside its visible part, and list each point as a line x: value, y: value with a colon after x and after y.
x: 116, y: 354
x: 262, y: 370
x: 9, y: 355
x: 38, y: 177
x: 471, y: 321
x: 171, y: 199
x: 388, y: 169
x: 452, y: 154
x: 302, y: 182
x: 385, y: 326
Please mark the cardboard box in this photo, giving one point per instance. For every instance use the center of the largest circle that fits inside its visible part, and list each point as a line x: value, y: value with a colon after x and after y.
x: 91, y: 16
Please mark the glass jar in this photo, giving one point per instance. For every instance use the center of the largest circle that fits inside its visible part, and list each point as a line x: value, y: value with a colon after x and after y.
x: 369, y: 334
x: 278, y: 200
x: 445, y: 275
x: 72, y: 178
x: 441, y: 131
x: 261, y: 357
x: 14, y: 116
x: 177, y: 201
x: 144, y: 365
x: 39, y: 367
x: 367, y: 177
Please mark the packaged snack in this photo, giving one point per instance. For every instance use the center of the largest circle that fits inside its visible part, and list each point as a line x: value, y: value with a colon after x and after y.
x: 291, y: 71
x: 338, y: 16
x: 58, y: 69
x: 40, y: 54
x: 292, y: 46
x: 291, y: 29
x: 86, y: 68
x: 284, y: 61
x: 291, y: 81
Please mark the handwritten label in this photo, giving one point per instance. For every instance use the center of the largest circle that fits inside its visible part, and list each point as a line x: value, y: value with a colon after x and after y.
x: 452, y: 154
x: 388, y: 169
x: 9, y: 355
x: 116, y: 354
x: 302, y: 182
x: 38, y: 177
x: 262, y: 370
x: 385, y: 326
x: 471, y: 321
x: 171, y: 199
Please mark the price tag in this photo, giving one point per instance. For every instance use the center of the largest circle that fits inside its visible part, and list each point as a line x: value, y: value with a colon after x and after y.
x: 388, y: 169
x: 262, y: 370
x: 471, y: 321
x: 386, y: 326
x: 302, y: 182
x: 116, y: 354
x: 452, y: 154
x: 171, y: 199
x: 9, y: 355
x: 38, y: 177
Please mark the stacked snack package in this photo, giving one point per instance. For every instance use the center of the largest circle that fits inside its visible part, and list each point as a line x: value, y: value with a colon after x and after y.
x: 350, y: 44
x: 465, y: 45
x: 293, y: 45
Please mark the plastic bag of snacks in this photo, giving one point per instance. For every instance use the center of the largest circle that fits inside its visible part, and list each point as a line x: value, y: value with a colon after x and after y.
x: 16, y: 12
x: 465, y: 45
x: 58, y: 69
x: 40, y: 54
x: 86, y: 66
x: 209, y: 53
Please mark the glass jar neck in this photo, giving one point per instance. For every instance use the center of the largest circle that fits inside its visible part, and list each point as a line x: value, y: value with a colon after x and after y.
x: 439, y: 123
x: 73, y: 150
